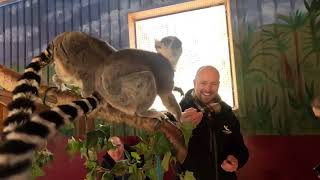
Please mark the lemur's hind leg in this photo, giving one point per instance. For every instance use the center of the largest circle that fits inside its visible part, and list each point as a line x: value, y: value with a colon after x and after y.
x: 132, y: 94
x: 170, y: 102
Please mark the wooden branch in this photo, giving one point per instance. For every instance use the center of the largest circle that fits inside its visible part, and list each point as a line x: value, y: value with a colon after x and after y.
x: 52, y: 97
x: 9, y: 78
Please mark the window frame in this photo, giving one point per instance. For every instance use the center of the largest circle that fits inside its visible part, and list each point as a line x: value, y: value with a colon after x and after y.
x: 7, y: 2
x: 184, y: 7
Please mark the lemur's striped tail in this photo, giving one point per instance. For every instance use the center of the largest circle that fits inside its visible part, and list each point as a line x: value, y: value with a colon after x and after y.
x: 26, y: 93
x: 24, y: 136
x: 17, y: 151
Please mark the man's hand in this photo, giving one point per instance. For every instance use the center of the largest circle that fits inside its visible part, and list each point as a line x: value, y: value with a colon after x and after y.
x: 192, y: 115
x: 230, y: 164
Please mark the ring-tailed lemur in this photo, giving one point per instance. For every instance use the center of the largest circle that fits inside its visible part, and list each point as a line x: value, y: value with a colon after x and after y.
x: 23, y: 133
x: 127, y: 79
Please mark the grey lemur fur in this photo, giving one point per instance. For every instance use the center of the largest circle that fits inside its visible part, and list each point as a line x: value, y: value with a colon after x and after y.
x: 127, y: 79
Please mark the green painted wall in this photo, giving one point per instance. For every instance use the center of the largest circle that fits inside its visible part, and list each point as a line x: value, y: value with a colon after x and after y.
x: 277, y: 52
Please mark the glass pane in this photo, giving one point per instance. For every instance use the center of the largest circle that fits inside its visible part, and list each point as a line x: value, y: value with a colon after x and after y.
x: 204, y: 37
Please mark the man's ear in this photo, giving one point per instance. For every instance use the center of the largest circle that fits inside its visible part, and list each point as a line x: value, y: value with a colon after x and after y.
x: 194, y: 83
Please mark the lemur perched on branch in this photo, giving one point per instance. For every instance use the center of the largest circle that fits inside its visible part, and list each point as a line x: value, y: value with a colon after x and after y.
x: 133, y: 76
x: 128, y: 79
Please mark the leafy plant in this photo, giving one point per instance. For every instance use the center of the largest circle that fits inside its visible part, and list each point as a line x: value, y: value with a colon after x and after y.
x: 262, y: 110
x: 67, y: 130
x: 276, y: 43
x: 95, y: 142
x: 41, y: 158
x: 187, y: 128
x: 155, y: 148
x: 296, y: 104
x: 312, y: 44
x: 187, y: 176
x: 246, y: 46
x: 294, y: 23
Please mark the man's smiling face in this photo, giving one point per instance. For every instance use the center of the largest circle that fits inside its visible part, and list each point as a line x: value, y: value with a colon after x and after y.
x: 206, y: 84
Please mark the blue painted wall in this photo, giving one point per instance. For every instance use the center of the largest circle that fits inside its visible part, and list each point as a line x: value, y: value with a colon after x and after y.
x: 26, y: 26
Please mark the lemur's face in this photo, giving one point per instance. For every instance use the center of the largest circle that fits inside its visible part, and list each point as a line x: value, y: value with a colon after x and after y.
x: 170, y: 47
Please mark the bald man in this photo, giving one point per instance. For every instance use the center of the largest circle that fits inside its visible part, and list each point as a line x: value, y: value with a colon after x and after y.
x: 216, y: 149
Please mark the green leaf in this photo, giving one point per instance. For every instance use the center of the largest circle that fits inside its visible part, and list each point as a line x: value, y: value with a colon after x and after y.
x: 187, y: 128
x: 135, y: 155
x: 83, y: 151
x: 74, y: 88
x: 127, y: 155
x: 120, y: 168
x: 43, y: 157
x: 142, y: 147
x: 73, y: 146
x: 165, y: 161
x: 110, y: 145
x: 105, y: 129
x: 67, y: 130
x: 149, y: 163
x: 189, y: 176
x: 161, y: 145
x: 92, y: 138
x: 107, y: 176
x: 92, y: 153
x: 36, y: 170
x: 90, y: 164
x: 91, y: 169
x: 131, y: 170
x: 90, y: 175
x: 152, y: 173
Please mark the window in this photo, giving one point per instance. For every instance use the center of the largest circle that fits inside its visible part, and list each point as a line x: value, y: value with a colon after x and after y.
x: 202, y: 26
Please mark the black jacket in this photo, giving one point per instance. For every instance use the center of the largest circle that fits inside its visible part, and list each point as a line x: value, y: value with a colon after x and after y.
x: 225, y: 139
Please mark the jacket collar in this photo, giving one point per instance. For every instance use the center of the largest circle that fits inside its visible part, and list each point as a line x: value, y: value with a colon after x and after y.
x: 213, y: 106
